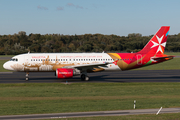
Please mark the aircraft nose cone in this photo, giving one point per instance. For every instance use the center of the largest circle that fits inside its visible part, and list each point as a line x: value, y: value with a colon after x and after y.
x: 7, y: 66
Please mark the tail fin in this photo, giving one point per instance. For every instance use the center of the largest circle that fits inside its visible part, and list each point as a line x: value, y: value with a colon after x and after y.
x: 157, y: 43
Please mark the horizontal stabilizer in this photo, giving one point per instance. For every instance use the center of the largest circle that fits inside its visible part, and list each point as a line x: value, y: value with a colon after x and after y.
x: 159, y: 58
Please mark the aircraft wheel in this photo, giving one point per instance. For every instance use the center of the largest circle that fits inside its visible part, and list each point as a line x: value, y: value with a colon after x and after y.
x: 27, y: 78
x: 87, y: 78
x: 83, y: 76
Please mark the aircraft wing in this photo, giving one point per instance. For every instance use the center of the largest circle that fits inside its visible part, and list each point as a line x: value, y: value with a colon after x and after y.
x: 90, y: 66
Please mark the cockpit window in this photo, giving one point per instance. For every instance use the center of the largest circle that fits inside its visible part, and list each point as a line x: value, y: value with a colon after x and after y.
x: 14, y: 59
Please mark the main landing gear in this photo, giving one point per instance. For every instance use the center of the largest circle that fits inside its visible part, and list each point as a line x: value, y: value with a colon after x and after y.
x: 84, y: 77
x: 27, y: 76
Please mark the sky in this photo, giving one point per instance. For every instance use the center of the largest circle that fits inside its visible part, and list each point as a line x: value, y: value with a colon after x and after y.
x: 70, y: 17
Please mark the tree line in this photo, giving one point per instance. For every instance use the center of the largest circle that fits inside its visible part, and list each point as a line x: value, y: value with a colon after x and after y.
x: 35, y: 43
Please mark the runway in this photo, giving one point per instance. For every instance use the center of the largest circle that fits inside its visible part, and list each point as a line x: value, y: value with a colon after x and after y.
x: 118, y: 76
x: 90, y: 114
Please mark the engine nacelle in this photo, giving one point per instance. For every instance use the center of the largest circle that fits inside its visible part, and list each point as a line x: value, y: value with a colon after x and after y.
x: 64, y: 73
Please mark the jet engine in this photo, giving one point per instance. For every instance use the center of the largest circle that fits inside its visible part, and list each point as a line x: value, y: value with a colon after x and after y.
x: 66, y: 73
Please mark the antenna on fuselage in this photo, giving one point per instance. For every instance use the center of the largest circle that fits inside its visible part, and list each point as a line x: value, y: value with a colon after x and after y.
x: 28, y: 50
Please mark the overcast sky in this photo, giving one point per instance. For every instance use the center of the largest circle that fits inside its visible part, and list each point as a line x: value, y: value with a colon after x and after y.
x: 69, y: 17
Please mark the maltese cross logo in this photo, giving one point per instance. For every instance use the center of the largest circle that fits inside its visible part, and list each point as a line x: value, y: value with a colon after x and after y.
x: 159, y: 44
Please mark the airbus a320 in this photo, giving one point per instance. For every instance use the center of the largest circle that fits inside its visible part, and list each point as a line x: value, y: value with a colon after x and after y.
x: 67, y: 65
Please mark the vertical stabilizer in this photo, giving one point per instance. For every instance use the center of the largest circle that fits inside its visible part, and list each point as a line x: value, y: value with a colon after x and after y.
x: 157, y: 43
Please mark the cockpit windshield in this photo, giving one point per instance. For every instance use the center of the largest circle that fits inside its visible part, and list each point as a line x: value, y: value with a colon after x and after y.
x: 14, y: 59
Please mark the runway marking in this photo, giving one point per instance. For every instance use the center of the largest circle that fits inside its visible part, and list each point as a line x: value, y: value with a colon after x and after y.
x: 159, y: 111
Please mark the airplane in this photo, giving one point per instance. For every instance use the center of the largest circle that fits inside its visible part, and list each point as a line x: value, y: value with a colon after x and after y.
x: 67, y: 65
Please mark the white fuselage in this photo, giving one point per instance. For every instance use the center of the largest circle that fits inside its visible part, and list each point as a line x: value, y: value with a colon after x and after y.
x: 52, y: 61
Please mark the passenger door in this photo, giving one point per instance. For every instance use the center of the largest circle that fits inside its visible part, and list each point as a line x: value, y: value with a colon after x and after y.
x: 139, y: 57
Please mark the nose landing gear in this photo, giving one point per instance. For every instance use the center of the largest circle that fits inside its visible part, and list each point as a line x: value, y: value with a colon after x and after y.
x: 27, y: 76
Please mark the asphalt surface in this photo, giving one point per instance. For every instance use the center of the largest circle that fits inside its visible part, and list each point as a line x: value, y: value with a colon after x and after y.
x: 115, y: 76
x: 90, y: 114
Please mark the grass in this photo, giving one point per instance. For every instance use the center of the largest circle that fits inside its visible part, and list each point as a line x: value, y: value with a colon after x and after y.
x: 34, y: 98
x: 55, y: 97
x: 6, y: 56
x: 172, y: 53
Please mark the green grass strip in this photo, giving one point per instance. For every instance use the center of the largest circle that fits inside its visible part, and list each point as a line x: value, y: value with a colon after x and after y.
x: 38, y: 98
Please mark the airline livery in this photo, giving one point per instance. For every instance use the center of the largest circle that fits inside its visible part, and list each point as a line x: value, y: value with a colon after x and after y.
x: 67, y: 65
